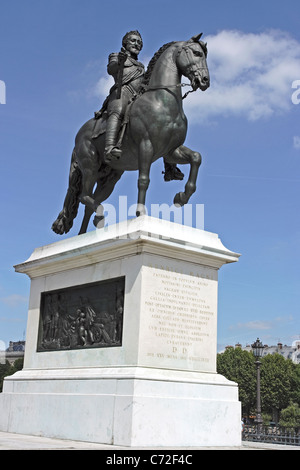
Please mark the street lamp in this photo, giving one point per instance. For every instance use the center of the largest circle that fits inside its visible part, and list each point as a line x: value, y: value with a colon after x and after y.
x: 257, y: 349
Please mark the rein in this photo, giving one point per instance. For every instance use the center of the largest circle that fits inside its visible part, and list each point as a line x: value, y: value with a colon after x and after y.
x: 164, y: 87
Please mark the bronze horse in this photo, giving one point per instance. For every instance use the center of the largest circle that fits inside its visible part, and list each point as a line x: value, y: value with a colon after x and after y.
x: 156, y: 128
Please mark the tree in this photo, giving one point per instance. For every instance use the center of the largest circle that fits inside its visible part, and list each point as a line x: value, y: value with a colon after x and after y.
x: 280, y: 380
x: 4, y: 371
x: 9, y: 369
x: 238, y: 365
x: 290, y: 416
x: 295, y: 392
x: 277, y: 382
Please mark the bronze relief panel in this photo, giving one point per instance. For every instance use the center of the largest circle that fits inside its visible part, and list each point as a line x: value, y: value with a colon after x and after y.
x: 85, y: 316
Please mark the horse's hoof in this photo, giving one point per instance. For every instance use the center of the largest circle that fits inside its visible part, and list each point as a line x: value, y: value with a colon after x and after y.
x: 99, y: 221
x: 59, y: 226
x: 180, y: 199
x: 140, y: 210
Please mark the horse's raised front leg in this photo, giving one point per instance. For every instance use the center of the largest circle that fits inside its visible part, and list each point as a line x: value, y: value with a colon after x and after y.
x: 184, y: 155
x: 145, y: 160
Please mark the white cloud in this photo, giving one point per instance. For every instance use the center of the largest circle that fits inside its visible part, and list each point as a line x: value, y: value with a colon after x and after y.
x: 263, y: 324
x: 297, y: 142
x: 102, y: 87
x: 251, y: 75
x: 253, y: 325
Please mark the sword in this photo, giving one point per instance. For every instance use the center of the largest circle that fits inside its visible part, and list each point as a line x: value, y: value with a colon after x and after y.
x: 121, y: 61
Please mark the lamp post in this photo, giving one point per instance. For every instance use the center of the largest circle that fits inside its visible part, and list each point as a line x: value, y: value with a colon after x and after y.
x: 257, y: 349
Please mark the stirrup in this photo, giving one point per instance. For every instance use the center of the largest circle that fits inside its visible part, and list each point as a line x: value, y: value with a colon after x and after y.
x: 112, y: 153
x: 173, y: 174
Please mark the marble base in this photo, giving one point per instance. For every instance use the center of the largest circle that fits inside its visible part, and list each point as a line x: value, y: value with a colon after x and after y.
x: 135, y: 407
x: 160, y: 387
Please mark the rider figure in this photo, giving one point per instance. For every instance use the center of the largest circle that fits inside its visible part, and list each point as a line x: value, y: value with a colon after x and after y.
x: 128, y: 74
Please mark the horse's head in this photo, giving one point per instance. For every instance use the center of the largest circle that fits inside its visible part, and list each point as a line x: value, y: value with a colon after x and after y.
x: 191, y: 61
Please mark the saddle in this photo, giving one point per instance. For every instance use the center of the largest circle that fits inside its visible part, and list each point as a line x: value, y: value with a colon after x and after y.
x: 101, y: 121
x: 100, y: 125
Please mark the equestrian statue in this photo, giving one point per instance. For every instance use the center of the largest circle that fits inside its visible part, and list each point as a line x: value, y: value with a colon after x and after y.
x: 140, y: 121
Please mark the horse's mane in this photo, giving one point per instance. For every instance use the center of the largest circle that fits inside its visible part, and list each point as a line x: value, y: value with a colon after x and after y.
x: 154, y: 59
x: 152, y: 63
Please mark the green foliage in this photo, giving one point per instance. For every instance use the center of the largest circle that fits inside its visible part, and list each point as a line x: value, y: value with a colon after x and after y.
x: 280, y: 379
x: 4, y: 371
x: 295, y: 393
x: 238, y: 365
x: 18, y: 365
x: 290, y: 416
x: 267, y: 418
x: 277, y: 382
x: 9, y: 369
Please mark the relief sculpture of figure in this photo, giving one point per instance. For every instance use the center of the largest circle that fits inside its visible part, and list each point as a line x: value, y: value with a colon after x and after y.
x: 119, y: 314
x: 47, y: 320
x: 82, y: 317
x: 141, y: 121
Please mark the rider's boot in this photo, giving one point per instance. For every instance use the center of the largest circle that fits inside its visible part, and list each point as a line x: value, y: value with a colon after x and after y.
x: 112, y: 152
x: 172, y: 172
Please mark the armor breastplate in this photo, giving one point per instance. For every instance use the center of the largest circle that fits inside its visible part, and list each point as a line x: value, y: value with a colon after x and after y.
x: 133, y: 71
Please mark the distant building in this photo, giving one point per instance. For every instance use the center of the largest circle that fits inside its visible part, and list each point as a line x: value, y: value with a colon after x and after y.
x: 15, y: 351
x: 288, y: 352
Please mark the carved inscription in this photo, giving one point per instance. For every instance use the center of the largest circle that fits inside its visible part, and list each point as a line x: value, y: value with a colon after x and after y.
x: 180, y: 318
x: 82, y: 317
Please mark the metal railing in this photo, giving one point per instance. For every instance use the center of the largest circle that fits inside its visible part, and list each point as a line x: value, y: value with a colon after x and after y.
x: 272, y: 435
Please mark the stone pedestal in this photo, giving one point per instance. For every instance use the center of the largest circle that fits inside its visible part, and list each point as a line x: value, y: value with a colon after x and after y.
x: 151, y: 383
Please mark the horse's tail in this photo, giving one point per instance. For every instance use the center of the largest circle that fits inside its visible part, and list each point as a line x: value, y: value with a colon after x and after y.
x: 65, y: 218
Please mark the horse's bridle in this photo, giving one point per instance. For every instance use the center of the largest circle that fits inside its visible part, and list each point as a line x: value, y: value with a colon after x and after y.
x: 191, y: 67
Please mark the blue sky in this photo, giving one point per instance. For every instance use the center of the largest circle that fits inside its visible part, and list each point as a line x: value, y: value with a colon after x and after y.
x: 53, y: 58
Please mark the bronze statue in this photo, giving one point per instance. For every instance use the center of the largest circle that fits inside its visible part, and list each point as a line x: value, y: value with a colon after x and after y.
x: 149, y: 124
x: 128, y: 74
